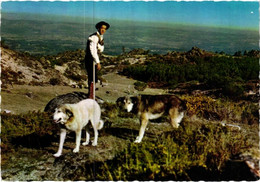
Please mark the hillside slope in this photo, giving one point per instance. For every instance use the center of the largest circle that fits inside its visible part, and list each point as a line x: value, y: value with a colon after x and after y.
x: 23, y: 69
x: 30, y: 82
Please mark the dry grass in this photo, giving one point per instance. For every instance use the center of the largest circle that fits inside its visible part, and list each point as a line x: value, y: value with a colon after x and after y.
x: 24, y: 98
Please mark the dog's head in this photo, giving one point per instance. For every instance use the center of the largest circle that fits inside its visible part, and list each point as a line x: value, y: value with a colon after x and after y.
x: 127, y: 103
x: 62, y: 115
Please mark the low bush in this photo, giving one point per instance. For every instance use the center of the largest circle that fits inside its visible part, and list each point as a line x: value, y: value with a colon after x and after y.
x: 36, y: 124
x: 55, y: 81
x: 140, y: 86
x: 175, y: 155
x: 226, y: 73
x: 221, y: 109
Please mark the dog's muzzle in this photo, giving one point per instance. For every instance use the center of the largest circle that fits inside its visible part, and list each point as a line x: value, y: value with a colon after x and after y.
x: 57, y: 121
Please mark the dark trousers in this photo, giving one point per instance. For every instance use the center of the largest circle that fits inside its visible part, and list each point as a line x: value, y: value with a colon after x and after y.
x: 89, y: 69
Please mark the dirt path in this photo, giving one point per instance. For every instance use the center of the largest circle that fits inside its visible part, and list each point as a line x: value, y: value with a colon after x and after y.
x: 24, y: 98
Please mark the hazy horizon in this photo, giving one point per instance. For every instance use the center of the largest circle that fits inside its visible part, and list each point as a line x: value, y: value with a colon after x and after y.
x: 232, y: 14
x: 52, y: 27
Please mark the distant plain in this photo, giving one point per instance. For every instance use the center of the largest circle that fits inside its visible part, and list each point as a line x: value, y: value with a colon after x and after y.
x: 49, y: 35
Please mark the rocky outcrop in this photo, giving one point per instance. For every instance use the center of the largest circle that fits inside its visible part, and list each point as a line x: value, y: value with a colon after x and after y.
x: 21, y: 68
x: 40, y: 165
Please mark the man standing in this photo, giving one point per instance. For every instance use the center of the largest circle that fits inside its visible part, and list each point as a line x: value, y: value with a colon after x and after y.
x: 95, y: 45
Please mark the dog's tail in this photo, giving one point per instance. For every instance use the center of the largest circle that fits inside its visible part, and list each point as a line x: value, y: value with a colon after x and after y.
x: 100, y: 124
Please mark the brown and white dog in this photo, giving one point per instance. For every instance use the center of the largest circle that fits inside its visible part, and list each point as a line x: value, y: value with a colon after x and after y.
x: 150, y: 107
x: 75, y: 117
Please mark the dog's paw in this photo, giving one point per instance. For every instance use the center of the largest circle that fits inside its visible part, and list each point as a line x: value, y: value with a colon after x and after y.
x: 137, y: 140
x: 76, y: 150
x: 94, y: 144
x: 57, y: 155
x: 85, y: 143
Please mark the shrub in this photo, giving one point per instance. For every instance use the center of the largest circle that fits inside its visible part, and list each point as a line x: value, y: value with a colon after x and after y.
x: 198, y: 105
x: 233, y: 90
x: 250, y: 114
x: 225, y: 73
x: 33, y: 123
x: 221, y: 109
x: 55, y: 81
x: 175, y: 154
x: 109, y: 110
x: 140, y: 86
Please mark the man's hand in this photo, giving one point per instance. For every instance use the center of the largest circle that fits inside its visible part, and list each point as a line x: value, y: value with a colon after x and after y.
x: 98, y: 66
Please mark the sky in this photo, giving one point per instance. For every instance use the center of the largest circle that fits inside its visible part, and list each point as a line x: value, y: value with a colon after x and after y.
x: 228, y: 13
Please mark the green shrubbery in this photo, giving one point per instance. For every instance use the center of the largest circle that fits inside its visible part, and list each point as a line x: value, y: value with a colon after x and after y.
x: 227, y: 73
x: 175, y: 155
x: 195, y: 147
x: 13, y: 126
x: 221, y: 109
x: 172, y: 155
x: 140, y: 86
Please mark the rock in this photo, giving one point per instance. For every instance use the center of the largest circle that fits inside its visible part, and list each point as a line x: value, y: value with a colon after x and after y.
x: 69, y: 98
x: 29, y: 94
x: 7, y: 111
x: 195, y: 52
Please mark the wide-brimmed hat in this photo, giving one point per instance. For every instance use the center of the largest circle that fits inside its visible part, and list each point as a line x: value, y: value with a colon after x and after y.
x: 99, y: 24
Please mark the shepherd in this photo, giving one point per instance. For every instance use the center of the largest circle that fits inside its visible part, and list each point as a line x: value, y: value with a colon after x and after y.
x: 95, y: 46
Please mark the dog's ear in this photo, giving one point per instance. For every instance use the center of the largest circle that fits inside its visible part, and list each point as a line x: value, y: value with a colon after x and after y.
x: 120, y: 101
x: 68, y: 112
x: 134, y: 100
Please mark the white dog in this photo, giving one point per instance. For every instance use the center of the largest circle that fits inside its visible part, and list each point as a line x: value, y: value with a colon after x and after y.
x: 76, y: 116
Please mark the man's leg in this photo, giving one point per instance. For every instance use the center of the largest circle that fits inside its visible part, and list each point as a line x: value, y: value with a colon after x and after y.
x: 89, y: 69
x: 92, y: 79
x: 93, y: 88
